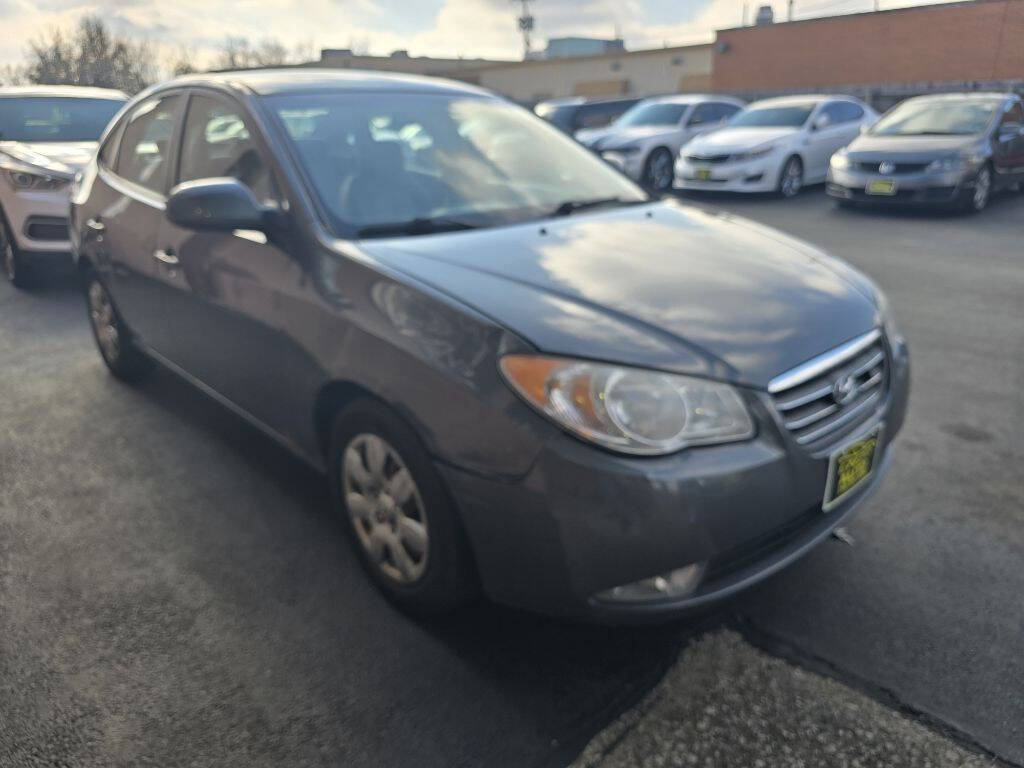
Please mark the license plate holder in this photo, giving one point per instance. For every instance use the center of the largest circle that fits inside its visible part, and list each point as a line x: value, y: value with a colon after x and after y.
x: 885, y: 187
x: 702, y: 174
x: 851, y: 466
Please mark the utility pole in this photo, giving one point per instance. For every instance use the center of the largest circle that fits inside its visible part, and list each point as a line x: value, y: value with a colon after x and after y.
x: 526, y: 23
x: 744, y: 14
x: 789, y: 10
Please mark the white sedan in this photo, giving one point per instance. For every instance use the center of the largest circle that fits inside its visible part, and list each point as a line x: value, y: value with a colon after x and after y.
x: 779, y: 145
x: 644, y: 142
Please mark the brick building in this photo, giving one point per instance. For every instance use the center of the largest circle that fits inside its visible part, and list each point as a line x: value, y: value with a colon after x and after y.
x: 976, y: 44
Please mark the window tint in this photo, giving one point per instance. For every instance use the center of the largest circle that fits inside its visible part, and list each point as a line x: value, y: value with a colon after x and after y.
x: 216, y: 142
x: 61, y: 118
x: 849, y: 111
x: 711, y: 112
x: 108, y: 151
x: 146, y: 142
x: 597, y: 115
x: 1015, y: 115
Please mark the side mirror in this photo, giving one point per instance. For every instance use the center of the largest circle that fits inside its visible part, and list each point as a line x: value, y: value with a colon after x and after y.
x: 821, y: 122
x: 217, y: 205
x: 1010, y: 132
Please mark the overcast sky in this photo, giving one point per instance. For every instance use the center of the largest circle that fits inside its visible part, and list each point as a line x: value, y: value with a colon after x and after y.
x: 424, y: 27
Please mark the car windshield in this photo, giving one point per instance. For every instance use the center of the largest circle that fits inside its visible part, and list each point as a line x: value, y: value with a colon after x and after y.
x: 653, y: 113
x: 417, y: 163
x: 46, y: 118
x: 937, y: 118
x: 789, y: 116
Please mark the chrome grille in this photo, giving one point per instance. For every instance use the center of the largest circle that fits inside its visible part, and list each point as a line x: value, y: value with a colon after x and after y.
x: 826, y: 398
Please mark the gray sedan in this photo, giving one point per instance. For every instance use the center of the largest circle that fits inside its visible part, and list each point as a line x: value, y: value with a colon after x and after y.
x: 951, y: 150
x: 520, y: 374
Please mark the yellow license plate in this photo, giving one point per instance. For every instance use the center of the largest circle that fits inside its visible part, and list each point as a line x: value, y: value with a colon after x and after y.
x: 881, y: 187
x: 703, y: 174
x: 849, y: 467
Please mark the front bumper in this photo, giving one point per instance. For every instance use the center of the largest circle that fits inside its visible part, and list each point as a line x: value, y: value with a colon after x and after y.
x: 37, y: 220
x: 630, y: 163
x: 925, y: 188
x: 583, y: 521
x: 760, y: 175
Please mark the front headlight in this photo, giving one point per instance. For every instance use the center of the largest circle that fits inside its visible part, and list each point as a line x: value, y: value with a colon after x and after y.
x: 23, y: 179
x: 840, y: 160
x: 629, y: 410
x: 753, y: 154
x: 630, y: 149
x: 885, y: 317
x: 943, y: 164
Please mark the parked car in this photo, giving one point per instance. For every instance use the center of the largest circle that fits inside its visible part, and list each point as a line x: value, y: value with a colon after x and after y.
x: 953, y: 149
x: 519, y: 372
x: 776, y: 145
x: 577, y: 113
x: 645, y: 140
x: 47, y: 133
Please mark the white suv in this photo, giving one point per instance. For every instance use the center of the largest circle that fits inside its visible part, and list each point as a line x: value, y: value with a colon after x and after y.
x: 47, y: 134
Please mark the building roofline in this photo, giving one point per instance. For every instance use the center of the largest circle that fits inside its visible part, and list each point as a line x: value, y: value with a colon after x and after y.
x: 929, y: 7
x: 598, y: 56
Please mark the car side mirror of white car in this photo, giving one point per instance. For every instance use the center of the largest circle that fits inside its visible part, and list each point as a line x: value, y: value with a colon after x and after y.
x: 821, y: 122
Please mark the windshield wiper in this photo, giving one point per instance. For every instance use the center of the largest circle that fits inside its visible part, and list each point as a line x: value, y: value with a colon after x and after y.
x: 421, y: 225
x: 570, y: 207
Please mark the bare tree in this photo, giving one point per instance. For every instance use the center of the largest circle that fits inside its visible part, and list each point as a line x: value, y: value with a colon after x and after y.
x: 241, y: 53
x: 91, y: 55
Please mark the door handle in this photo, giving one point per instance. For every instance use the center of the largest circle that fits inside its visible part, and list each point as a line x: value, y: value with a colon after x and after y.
x: 166, y: 257
x: 95, y: 225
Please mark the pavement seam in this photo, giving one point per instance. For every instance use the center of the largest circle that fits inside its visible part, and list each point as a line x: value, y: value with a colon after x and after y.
x: 784, y: 649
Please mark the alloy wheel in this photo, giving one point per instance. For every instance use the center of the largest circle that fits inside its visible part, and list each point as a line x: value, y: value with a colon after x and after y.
x: 104, y: 322
x: 792, y: 178
x: 385, y: 507
x: 660, y: 172
x: 982, y: 189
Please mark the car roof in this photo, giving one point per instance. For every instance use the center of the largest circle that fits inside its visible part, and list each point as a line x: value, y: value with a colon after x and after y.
x: 268, y: 82
x: 63, y: 91
x: 803, y: 99
x: 965, y: 96
x: 691, y: 98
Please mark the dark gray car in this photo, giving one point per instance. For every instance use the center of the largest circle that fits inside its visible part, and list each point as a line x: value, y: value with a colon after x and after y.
x: 520, y: 373
x: 949, y: 150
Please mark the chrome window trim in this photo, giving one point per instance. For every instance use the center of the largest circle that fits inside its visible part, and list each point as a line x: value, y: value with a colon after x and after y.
x: 822, y: 363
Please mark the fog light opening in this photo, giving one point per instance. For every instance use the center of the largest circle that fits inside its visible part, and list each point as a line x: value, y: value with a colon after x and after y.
x: 674, y: 584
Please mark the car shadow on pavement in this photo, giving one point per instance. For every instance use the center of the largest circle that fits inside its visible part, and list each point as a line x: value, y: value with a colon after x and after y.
x: 566, y: 680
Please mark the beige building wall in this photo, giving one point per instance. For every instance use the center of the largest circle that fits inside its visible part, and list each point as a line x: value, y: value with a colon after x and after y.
x: 640, y: 73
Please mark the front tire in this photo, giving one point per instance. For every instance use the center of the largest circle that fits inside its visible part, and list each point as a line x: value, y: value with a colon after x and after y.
x: 791, y: 180
x: 11, y: 262
x: 980, y: 196
x: 402, y: 522
x: 659, y: 170
x: 113, y: 339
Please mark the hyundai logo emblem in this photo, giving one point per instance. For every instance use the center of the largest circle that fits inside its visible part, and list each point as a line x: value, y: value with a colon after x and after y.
x: 845, y: 389
x: 886, y: 167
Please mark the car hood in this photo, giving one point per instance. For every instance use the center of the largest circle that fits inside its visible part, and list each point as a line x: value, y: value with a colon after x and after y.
x: 660, y: 285
x: 612, y: 138
x: 728, y: 140
x: 923, y: 146
x: 65, y: 158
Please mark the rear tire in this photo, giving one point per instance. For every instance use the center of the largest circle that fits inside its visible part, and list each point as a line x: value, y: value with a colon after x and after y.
x: 791, y: 179
x: 112, y: 336
x: 403, y: 525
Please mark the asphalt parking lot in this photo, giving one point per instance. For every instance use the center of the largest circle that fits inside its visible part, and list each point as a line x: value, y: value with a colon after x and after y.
x: 174, y: 589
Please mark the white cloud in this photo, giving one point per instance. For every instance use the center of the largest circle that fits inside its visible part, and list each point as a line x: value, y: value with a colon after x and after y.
x: 457, y: 27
